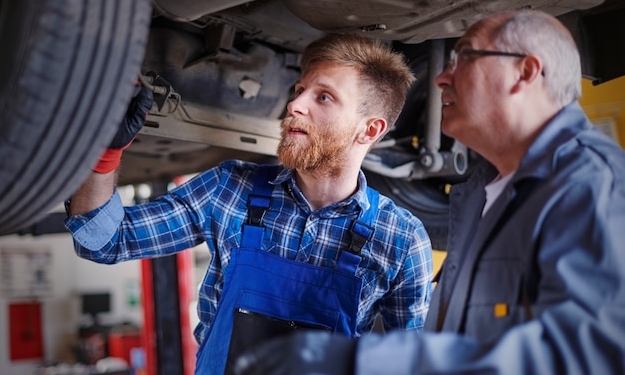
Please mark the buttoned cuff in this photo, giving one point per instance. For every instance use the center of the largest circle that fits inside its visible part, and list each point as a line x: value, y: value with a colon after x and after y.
x: 95, y: 229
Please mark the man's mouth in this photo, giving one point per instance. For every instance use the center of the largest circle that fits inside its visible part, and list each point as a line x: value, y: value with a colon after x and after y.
x: 291, y: 126
x: 447, y: 99
x: 447, y: 102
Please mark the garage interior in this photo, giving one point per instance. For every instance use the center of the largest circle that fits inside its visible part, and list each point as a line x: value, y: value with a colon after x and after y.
x: 59, y: 310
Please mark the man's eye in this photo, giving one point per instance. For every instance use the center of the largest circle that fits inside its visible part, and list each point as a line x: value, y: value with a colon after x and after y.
x: 463, y: 56
x: 325, y: 97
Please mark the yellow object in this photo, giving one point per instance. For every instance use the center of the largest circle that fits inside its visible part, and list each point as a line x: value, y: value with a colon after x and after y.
x: 500, y: 310
x: 604, y: 105
x: 438, y: 257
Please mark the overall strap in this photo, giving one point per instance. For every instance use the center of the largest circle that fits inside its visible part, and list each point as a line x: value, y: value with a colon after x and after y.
x: 362, y: 231
x: 258, y: 203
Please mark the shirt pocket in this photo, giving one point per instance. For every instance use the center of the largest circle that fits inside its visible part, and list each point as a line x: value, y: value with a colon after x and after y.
x: 496, y: 302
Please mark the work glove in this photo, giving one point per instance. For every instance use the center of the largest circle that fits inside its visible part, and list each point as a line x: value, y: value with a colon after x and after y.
x: 133, y: 121
x: 301, y: 353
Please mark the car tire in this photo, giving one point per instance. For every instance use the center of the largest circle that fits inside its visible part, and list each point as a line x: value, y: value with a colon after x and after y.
x: 423, y: 198
x: 66, y: 77
x: 427, y: 199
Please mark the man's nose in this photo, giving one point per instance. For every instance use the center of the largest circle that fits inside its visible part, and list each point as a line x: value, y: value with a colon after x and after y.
x: 297, y: 105
x: 444, y: 78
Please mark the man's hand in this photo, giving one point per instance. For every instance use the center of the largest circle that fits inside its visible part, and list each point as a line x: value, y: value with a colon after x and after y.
x: 303, y: 353
x: 131, y: 124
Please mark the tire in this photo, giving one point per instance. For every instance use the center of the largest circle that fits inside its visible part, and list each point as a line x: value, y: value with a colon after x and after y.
x: 66, y: 77
x: 424, y: 198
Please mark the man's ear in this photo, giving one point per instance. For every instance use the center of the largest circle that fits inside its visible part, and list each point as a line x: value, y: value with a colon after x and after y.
x: 375, y: 128
x: 531, y: 70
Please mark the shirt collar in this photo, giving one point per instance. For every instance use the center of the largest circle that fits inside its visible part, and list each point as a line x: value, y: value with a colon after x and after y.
x: 359, y: 198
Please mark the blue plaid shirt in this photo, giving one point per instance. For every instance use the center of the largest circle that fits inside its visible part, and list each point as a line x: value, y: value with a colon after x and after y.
x: 211, y: 207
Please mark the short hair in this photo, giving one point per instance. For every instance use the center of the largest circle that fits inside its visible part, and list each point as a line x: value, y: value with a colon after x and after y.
x: 542, y: 35
x: 385, y: 74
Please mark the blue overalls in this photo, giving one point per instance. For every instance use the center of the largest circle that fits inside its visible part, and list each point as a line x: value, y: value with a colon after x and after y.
x: 266, y: 295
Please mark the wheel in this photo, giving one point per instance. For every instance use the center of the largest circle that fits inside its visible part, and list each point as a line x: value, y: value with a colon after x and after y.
x: 426, y: 200
x: 66, y: 77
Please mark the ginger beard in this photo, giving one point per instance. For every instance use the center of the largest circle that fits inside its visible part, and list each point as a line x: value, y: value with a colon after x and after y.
x: 322, y: 150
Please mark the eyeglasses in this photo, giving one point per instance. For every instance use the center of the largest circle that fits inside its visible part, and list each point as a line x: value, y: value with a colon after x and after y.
x: 454, y: 55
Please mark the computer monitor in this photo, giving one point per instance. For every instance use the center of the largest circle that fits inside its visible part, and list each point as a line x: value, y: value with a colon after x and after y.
x: 95, y: 303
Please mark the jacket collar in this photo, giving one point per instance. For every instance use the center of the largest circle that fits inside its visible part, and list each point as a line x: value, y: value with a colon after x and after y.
x: 566, y: 124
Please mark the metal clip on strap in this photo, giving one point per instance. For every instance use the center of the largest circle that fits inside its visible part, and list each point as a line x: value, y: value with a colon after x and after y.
x: 361, y: 233
x: 257, y: 207
x: 258, y: 202
x: 361, y: 229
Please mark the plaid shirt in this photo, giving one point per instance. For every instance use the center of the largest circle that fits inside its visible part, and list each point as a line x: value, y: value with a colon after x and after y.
x: 211, y: 207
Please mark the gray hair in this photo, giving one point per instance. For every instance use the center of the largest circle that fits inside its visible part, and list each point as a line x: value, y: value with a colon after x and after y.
x: 542, y: 35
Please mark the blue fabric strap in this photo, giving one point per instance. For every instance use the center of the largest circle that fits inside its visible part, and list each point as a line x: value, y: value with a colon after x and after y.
x: 252, y: 236
x: 258, y: 203
x: 362, y: 232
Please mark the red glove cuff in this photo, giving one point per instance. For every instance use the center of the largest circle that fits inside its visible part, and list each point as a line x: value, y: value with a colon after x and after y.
x: 109, y: 161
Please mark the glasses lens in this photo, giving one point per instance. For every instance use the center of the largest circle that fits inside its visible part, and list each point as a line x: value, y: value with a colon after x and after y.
x: 453, y: 61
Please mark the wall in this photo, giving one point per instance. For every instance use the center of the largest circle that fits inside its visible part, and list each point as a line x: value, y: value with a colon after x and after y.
x: 68, y: 277
x: 606, y: 102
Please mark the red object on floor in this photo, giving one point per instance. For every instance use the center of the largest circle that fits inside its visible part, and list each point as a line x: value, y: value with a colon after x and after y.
x: 25, y: 331
x: 120, y: 345
x: 148, y: 332
x: 186, y: 291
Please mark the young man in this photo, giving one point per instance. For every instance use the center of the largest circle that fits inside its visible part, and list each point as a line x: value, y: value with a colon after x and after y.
x: 534, y: 279
x: 305, y: 243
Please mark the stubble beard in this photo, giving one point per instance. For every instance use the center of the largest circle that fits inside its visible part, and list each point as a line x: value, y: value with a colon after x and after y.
x: 325, y: 151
